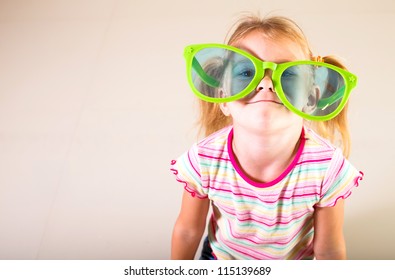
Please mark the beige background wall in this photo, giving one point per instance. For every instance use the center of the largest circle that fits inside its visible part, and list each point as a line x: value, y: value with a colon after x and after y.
x: 94, y: 105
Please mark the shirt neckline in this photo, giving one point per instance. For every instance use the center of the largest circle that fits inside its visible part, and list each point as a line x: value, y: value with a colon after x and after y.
x: 270, y: 183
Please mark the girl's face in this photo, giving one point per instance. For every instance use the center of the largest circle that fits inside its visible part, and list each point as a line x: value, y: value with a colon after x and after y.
x: 262, y: 110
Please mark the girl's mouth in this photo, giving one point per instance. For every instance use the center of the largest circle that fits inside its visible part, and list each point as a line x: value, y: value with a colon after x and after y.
x: 258, y: 101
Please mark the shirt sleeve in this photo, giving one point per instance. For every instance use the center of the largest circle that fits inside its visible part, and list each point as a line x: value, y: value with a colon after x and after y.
x: 187, y: 171
x: 341, y: 178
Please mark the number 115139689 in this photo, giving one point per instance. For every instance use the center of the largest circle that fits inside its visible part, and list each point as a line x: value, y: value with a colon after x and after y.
x: 244, y: 270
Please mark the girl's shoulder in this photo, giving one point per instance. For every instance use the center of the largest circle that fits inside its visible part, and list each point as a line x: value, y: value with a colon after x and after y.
x: 316, y: 143
x: 318, y: 152
x: 216, y: 139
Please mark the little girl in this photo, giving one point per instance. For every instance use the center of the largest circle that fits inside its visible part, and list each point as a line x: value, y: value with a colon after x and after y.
x: 272, y: 114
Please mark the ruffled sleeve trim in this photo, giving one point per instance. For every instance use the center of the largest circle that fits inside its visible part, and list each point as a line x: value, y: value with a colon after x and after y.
x: 187, y: 186
x: 348, y: 193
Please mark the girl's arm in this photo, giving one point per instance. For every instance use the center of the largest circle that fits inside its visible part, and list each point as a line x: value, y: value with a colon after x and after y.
x: 189, y: 227
x: 329, y: 241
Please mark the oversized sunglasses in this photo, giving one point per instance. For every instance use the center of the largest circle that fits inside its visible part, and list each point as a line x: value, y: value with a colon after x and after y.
x: 311, y: 89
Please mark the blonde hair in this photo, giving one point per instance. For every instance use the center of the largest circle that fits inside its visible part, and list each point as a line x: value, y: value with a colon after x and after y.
x: 275, y: 27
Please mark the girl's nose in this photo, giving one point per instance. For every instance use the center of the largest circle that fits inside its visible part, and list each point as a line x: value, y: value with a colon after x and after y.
x: 266, y: 84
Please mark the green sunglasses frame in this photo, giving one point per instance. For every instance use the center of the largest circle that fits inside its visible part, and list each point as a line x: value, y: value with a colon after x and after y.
x: 350, y: 80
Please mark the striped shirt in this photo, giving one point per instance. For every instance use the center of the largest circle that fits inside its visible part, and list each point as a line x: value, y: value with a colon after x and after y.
x: 273, y: 220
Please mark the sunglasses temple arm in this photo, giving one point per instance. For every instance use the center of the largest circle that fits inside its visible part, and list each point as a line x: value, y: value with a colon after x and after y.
x: 203, y: 75
x: 325, y: 102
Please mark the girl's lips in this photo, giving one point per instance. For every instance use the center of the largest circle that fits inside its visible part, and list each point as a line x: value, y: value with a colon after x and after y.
x: 258, y: 101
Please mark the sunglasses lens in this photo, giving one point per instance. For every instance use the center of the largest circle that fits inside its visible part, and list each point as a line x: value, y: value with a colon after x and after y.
x: 312, y: 89
x: 221, y: 73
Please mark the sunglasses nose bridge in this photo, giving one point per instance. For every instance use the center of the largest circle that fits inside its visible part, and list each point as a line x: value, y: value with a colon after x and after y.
x: 267, y: 69
x: 266, y: 80
x: 268, y: 66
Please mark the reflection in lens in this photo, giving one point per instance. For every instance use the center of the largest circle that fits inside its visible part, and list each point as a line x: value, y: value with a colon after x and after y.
x: 296, y: 82
x: 332, y: 92
x: 221, y: 73
x: 314, y: 90
x: 243, y: 71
